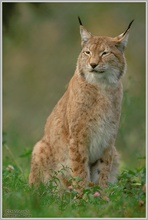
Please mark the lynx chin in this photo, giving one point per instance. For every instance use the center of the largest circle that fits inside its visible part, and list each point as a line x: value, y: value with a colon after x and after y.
x: 81, y: 130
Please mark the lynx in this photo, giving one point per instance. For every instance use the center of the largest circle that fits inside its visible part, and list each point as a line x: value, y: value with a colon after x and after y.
x: 80, y: 132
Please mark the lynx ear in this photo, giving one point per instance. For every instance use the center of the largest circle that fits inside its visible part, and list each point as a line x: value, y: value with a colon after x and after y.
x: 85, y: 35
x: 122, y: 39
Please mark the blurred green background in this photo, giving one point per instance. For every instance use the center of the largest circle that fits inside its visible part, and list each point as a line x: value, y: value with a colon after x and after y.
x: 41, y: 43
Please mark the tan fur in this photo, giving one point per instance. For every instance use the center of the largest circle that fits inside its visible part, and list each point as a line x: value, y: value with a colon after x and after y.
x: 80, y: 132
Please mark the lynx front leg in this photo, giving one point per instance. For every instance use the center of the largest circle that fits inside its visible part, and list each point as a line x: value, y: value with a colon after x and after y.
x: 79, y: 162
x: 108, y: 166
x: 105, y: 169
x: 100, y: 170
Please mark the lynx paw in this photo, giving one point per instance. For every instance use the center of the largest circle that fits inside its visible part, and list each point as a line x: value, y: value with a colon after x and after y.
x: 103, y: 180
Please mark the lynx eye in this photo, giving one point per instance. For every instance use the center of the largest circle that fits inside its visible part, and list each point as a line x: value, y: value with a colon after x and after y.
x: 87, y: 52
x: 104, y: 53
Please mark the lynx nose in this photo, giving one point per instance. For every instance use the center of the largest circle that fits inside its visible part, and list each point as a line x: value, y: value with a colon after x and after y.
x: 93, y: 65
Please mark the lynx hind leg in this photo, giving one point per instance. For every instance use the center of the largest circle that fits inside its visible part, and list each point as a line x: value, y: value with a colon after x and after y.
x: 39, y: 164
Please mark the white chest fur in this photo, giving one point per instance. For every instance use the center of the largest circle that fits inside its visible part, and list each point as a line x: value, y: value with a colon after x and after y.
x: 102, y: 132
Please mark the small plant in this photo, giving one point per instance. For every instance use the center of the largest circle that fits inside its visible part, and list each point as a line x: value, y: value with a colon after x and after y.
x: 125, y: 198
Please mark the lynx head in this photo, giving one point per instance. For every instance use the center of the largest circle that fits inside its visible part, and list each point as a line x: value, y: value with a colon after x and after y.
x: 102, y: 58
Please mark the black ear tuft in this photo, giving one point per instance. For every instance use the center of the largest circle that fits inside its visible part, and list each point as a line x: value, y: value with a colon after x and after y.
x: 128, y: 26
x: 80, y: 22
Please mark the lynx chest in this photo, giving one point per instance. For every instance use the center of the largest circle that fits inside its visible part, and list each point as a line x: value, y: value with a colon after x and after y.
x: 103, y: 127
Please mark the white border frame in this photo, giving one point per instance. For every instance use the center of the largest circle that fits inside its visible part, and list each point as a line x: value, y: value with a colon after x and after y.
x: 1, y: 68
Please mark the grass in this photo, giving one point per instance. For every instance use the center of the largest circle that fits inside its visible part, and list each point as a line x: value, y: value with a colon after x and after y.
x: 126, y: 198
